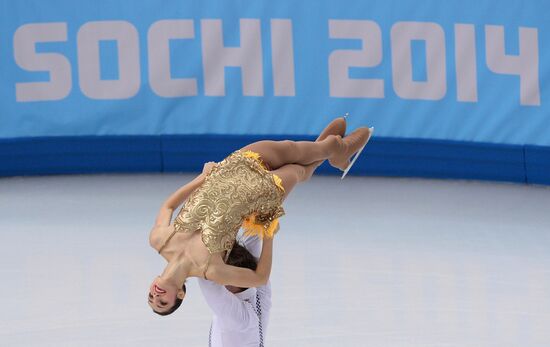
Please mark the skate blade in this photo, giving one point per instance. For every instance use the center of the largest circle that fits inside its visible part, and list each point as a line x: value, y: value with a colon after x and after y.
x: 357, y: 155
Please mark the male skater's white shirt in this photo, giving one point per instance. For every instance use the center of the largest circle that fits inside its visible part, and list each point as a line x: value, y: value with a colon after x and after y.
x: 239, y: 319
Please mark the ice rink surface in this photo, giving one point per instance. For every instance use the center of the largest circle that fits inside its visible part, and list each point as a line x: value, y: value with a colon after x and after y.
x: 360, y: 262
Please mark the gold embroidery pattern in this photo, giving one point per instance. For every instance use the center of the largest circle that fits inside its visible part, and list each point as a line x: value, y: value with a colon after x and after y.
x: 237, y: 187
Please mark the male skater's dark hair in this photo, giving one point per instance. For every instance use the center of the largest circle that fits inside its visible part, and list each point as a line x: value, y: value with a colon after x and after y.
x: 241, y: 257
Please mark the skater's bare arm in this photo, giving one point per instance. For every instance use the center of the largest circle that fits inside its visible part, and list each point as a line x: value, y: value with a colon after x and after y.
x: 245, y: 278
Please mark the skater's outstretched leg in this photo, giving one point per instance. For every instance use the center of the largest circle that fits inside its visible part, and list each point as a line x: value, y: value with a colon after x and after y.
x: 339, y: 151
x: 292, y: 174
x: 279, y: 153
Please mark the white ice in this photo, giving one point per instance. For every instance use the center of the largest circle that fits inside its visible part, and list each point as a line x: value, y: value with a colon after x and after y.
x: 360, y: 262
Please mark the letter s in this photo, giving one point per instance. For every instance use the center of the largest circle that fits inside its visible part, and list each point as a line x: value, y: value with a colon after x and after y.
x: 59, y: 67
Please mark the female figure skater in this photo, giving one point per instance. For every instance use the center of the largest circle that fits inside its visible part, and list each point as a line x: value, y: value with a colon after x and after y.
x: 245, y: 189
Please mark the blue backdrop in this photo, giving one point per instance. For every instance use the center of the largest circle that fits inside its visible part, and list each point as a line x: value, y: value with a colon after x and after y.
x: 436, y: 79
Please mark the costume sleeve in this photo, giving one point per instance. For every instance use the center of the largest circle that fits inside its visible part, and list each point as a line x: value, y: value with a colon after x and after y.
x: 233, y: 313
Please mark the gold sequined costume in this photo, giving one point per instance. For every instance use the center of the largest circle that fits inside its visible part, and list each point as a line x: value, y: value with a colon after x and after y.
x: 239, y: 191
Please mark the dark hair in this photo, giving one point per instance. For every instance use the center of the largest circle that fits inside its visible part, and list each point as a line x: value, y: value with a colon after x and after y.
x: 177, y: 304
x: 239, y: 256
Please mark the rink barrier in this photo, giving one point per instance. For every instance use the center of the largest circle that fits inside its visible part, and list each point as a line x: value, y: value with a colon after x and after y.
x: 78, y: 155
x: 537, y: 164
x: 187, y: 153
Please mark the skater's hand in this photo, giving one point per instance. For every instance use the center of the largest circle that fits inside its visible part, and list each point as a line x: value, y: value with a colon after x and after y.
x: 208, y: 167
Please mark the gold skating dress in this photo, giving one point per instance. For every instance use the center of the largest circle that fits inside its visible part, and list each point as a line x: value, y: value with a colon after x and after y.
x: 239, y: 191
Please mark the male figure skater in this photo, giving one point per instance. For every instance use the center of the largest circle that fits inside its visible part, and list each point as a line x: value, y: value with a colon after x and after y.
x: 240, y: 314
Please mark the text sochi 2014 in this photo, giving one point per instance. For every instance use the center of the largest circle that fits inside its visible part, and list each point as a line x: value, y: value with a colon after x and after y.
x: 249, y: 58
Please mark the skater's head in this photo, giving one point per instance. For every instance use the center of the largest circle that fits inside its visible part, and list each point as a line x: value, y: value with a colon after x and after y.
x: 164, y: 297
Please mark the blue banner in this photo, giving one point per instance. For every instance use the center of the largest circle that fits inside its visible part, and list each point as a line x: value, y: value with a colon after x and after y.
x: 448, y: 70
